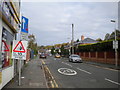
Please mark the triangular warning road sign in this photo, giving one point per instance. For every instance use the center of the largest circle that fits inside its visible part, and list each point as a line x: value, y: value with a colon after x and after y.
x: 19, y: 47
x: 6, y: 46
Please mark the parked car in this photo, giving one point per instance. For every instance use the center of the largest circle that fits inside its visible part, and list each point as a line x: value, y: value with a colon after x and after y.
x: 43, y: 56
x: 74, y: 58
x: 57, y: 56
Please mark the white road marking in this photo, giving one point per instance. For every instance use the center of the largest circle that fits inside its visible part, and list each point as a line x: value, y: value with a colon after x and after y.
x: 67, y: 71
x: 112, y: 81
x: 84, y: 71
x: 22, y: 77
x: 67, y: 64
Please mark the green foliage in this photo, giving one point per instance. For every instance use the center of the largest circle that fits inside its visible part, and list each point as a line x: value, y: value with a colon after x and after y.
x: 100, y: 46
x: 107, y: 36
x: 32, y: 45
x: 99, y: 39
x: 77, y: 40
x: 64, y: 51
x: 112, y: 35
x: 53, y: 51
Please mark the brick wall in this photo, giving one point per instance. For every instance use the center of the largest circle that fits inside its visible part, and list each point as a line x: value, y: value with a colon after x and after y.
x: 101, y: 57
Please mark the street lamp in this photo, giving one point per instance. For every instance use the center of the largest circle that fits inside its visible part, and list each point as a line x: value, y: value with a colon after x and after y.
x: 115, y: 45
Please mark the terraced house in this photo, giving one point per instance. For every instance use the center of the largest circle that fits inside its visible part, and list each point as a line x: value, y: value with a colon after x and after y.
x: 9, y: 26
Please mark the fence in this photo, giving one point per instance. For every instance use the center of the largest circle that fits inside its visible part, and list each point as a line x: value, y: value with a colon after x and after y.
x: 101, y: 57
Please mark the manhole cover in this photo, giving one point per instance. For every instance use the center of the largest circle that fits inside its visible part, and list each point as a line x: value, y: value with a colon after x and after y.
x: 67, y: 71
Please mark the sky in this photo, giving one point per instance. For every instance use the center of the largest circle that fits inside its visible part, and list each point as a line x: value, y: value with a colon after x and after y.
x: 51, y: 22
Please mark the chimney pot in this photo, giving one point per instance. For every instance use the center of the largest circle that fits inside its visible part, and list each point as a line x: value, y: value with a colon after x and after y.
x: 82, y: 38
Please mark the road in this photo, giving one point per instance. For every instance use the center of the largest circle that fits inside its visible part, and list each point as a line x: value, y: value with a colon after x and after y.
x: 81, y: 75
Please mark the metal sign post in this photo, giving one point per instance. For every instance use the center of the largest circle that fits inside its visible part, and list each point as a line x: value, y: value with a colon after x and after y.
x: 19, y: 52
x: 20, y: 67
x: 19, y: 72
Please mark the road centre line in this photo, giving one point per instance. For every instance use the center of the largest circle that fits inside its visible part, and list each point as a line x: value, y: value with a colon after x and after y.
x: 112, y: 81
x: 84, y: 71
x: 67, y: 64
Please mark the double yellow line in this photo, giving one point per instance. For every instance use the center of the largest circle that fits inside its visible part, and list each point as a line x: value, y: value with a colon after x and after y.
x: 52, y: 82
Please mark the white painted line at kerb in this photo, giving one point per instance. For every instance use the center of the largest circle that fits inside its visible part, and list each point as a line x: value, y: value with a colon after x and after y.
x: 112, y: 81
x: 67, y: 64
x: 84, y: 71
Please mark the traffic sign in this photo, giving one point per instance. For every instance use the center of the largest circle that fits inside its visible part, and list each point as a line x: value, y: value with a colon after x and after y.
x: 19, y: 47
x: 24, y: 27
x: 19, y: 50
x: 24, y: 36
x: 115, y: 44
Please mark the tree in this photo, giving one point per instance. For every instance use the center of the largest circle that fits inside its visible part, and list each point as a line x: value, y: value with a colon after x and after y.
x: 112, y: 36
x: 32, y: 44
x: 107, y: 36
x: 53, y: 51
x: 77, y: 40
x: 64, y: 51
x: 99, y: 39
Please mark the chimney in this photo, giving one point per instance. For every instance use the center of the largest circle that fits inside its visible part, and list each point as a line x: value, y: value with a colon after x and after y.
x: 82, y: 38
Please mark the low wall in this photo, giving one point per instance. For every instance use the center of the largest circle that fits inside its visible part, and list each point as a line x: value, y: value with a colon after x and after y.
x: 101, y: 57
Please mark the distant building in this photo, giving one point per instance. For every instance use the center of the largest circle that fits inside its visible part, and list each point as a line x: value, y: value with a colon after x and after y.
x: 85, y: 41
x: 9, y: 26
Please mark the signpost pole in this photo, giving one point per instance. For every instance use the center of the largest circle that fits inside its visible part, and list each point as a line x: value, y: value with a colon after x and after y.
x: 20, y: 71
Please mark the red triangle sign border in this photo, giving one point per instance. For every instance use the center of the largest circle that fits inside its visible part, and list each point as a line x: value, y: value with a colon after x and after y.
x: 14, y: 50
x: 7, y: 49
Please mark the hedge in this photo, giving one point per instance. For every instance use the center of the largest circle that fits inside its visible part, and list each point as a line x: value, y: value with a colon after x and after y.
x: 100, y: 46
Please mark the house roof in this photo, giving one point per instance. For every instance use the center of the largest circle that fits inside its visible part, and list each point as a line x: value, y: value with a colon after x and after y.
x: 86, y: 40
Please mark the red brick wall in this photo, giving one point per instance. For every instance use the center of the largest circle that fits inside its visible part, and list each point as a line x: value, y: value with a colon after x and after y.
x: 87, y: 54
x: 110, y: 54
x: 100, y: 54
x: 93, y: 54
x: 102, y: 57
x: 81, y: 53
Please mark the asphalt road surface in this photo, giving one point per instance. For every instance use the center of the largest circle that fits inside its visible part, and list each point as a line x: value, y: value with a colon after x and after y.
x: 81, y: 75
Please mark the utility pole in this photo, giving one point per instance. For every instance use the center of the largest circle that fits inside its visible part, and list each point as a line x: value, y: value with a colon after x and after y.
x: 72, y: 38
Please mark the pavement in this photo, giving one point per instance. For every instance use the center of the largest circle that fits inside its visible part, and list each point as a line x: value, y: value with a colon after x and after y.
x: 32, y: 76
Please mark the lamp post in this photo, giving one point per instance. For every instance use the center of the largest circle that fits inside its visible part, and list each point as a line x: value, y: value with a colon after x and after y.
x: 115, y: 42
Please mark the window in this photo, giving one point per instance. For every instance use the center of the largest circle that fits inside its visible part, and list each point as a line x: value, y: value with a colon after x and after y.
x: 6, y: 48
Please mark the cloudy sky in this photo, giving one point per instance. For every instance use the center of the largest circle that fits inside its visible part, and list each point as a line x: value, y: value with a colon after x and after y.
x: 51, y: 22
